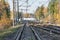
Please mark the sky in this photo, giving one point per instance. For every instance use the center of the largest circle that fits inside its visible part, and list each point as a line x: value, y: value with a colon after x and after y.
x: 34, y: 4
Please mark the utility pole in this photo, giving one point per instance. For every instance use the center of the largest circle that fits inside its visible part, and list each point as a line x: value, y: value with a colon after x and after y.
x: 27, y: 6
x: 13, y: 12
x: 21, y: 14
x: 18, y: 9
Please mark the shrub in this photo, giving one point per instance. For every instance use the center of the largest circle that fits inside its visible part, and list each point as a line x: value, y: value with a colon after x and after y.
x: 5, y: 22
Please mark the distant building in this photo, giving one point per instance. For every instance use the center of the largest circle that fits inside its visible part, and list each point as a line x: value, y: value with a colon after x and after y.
x: 28, y: 16
x: 29, y: 19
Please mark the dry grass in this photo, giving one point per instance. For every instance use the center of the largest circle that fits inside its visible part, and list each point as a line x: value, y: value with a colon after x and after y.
x: 6, y: 32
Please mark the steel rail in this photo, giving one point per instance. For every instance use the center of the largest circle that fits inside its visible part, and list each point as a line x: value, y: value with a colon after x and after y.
x: 36, y: 35
x: 19, y: 33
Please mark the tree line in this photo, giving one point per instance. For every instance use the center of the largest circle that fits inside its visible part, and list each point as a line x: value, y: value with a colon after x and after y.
x: 4, y: 14
x: 52, y: 11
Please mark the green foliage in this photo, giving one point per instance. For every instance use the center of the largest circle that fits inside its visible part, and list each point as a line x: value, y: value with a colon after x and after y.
x: 52, y: 7
x: 4, y: 14
x: 4, y: 6
x: 7, y: 11
x: 39, y: 14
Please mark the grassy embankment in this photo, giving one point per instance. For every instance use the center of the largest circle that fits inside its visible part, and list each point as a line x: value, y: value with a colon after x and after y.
x: 6, y: 32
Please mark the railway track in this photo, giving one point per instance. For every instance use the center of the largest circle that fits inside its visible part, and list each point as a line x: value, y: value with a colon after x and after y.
x: 45, y: 34
x: 19, y: 32
x: 53, y: 29
x: 27, y: 33
x: 37, y: 33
